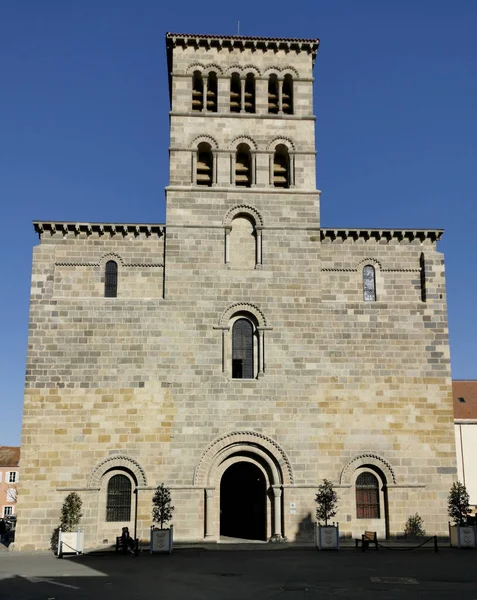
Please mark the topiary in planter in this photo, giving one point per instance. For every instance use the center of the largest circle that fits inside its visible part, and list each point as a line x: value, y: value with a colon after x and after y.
x: 162, y: 508
x: 326, y: 502
x: 458, y: 504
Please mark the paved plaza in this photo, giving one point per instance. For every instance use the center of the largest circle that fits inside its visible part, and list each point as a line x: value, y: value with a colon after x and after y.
x: 242, y: 573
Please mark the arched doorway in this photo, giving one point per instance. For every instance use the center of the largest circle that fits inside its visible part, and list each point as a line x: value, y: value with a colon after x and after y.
x: 243, y: 502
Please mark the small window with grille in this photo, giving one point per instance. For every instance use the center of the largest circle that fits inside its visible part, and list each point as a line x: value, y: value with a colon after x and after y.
x: 287, y: 95
x: 369, y: 283
x: 242, y: 349
x: 118, y: 505
x: 111, y: 279
x: 367, y: 496
x: 197, y: 91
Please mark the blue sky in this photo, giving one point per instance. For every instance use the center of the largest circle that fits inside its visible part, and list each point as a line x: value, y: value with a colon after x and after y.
x: 84, y: 129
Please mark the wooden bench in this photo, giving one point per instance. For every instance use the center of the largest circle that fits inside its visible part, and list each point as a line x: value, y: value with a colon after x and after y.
x: 368, y: 537
x: 120, y: 547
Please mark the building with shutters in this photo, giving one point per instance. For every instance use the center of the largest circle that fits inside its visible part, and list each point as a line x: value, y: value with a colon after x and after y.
x: 241, y: 352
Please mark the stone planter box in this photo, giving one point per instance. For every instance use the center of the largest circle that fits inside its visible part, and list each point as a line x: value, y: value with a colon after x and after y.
x: 161, y: 540
x: 463, y: 537
x: 327, y: 537
x: 70, y: 542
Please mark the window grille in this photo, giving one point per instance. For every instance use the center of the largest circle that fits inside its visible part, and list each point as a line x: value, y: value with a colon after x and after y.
x: 242, y: 349
x: 250, y: 93
x: 273, y: 94
x: 118, y: 506
x: 235, y: 93
x: 369, y: 283
x: 197, y: 91
x: 12, y: 477
x: 287, y: 95
x: 7, y: 511
x: 204, y: 165
x: 281, y: 167
x: 367, y: 496
x: 243, y: 166
x: 111, y: 280
x: 212, y: 92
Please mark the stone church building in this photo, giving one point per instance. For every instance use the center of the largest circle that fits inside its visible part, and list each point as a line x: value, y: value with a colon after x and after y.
x: 239, y: 353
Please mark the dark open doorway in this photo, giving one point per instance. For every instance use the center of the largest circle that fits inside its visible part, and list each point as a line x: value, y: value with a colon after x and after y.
x: 243, y: 502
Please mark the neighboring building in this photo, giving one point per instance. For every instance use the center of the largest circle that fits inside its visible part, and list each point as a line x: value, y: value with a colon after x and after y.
x: 241, y: 353
x: 465, y: 423
x: 9, y: 474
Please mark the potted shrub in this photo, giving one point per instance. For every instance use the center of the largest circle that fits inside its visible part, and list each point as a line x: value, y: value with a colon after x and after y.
x: 414, y: 527
x: 68, y: 538
x: 327, y: 536
x: 461, y: 534
x: 162, y: 509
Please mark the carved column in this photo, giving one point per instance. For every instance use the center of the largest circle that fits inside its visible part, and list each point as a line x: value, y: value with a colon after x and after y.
x: 259, y: 245
x: 228, y: 229
x: 277, y: 512
x: 215, y: 158
x: 280, y: 96
x: 205, y: 82
x: 242, y: 94
x: 209, y: 510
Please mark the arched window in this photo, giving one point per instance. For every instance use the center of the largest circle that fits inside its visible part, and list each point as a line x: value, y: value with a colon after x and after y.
x: 235, y: 93
x: 243, y: 243
x: 369, y: 283
x: 197, y: 91
x: 242, y: 349
x: 250, y: 93
x: 281, y: 167
x: 273, y: 94
x: 287, y: 95
x: 367, y: 496
x: 118, y: 504
x: 243, y: 166
x: 111, y: 279
x: 205, y: 164
x: 212, y: 92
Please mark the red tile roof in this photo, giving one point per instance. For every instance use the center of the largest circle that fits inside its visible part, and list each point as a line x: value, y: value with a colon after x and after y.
x: 9, y: 456
x: 466, y: 389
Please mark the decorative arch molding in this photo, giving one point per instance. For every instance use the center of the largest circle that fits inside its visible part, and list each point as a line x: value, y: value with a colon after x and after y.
x: 213, y: 68
x: 242, y: 307
x: 195, y: 67
x: 243, y: 209
x: 363, y: 460
x: 243, y: 139
x: 280, y: 72
x: 369, y: 261
x: 281, y: 140
x: 242, y: 69
x: 111, y: 256
x: 117, y: 461
x: 204, y: 138
x: 250, y: 442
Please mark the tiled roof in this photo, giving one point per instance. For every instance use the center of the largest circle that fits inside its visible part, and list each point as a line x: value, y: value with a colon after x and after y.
x: 466, y: 389
x: 243, y: 37
x: 9, y: 456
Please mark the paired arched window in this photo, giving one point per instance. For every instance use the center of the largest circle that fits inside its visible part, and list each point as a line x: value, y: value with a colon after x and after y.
x: 273, y: 94
x: 243, y: 166
x: 242, y: 349
x: 287, y: 95
x: 367, y: 496
x: 205, y: 165
x: 111, y: 279
x: 118, y: 502
x: 212, y: 92
x: 197, y: 91
x: 249, y: 98
x: 369, y: 283
x: 422, y: 269
x: 281, y: 167
x: 235, y: 93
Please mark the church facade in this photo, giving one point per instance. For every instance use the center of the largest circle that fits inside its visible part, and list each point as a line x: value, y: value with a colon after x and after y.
x: 239, y: 353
